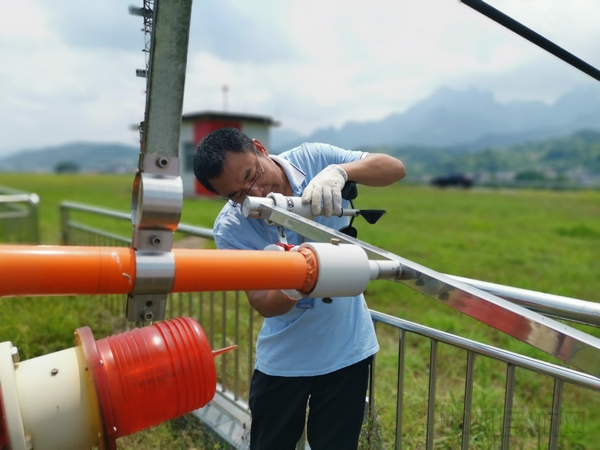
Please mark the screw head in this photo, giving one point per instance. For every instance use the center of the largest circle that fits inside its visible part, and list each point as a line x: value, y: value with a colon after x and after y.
x: 155, y: 240
x: 14, y: 351
x: 148, y: 316
x: 54, y: 372
x: 162, y: 162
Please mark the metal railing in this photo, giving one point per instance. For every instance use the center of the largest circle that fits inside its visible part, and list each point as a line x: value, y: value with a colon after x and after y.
x: 72, y: 230
x: 19, y: 221
x: 228, y: 320
x: 456, y: 425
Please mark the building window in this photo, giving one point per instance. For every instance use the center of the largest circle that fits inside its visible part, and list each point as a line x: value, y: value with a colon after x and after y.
x: 188, y: 156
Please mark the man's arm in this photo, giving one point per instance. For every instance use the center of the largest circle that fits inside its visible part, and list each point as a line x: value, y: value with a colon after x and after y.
x: 324, y: 192
x: 375, y: 169
x: 270, y: 303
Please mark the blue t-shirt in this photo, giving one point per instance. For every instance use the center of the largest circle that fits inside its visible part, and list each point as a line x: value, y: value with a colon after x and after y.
x: 304, y: 341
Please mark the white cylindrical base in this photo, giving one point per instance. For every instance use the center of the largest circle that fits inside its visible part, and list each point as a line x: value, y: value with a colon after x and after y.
x: 58, y: 403
x: 344, y: 270
x: 10, y: 398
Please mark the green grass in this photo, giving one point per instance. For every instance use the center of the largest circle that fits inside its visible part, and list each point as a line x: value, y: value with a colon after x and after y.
x: 547, y: 241
x: 106, y: 191
x: 515, y: 238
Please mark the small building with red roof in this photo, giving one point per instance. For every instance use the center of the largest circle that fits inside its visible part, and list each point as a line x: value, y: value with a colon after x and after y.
x: 194, y: 126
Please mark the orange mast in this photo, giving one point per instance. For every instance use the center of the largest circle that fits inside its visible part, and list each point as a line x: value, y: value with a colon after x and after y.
x: 60, y: 270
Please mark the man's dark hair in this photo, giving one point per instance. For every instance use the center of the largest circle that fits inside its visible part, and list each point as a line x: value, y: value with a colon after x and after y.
x: 212, y: 151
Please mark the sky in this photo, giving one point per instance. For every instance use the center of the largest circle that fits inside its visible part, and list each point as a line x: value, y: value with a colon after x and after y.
x: 67, y: 67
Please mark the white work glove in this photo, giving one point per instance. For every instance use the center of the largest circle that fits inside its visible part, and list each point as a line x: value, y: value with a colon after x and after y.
x: 326, y: 186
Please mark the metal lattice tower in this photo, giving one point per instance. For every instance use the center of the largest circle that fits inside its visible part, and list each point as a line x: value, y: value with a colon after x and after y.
x: 147, y: 13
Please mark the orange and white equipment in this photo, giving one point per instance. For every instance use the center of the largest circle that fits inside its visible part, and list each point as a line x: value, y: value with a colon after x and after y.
x: 316, y: 269
x: 90, y: 395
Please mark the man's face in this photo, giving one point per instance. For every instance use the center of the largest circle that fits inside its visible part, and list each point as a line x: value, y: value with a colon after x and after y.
x: 248, y: 174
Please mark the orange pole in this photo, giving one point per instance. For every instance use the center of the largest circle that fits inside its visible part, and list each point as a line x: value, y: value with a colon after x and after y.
x: 232, y: 270
x: 61, y: 270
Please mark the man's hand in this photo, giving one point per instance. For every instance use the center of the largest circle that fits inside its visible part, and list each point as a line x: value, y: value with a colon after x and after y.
x: 326, y: 186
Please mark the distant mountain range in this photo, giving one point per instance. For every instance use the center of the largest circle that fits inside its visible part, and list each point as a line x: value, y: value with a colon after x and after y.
x: 448, y: 123
x: 574, y: 158
x: 463, y: 120
x: 88, y: 156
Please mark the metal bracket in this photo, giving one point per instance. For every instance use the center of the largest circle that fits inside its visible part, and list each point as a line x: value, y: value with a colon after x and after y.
x: 146, y: 308
x: 157, y: 197
x: 157, y: 201
x: 155, y: 272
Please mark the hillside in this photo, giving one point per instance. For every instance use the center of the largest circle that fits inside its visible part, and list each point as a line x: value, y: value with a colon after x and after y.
x: 575, y: 157
x: 88, y: 156
x: 463, y: 119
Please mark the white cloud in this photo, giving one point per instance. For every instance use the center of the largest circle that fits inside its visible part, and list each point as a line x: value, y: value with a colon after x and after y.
x: 54, y: 92
x: 68, y: 69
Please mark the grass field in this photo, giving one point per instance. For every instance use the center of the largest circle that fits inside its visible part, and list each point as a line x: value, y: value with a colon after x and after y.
x: 546, y: 241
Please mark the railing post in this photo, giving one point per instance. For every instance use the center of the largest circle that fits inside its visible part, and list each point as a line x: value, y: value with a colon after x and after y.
x: 468, y: 401
x: 224, y: 340
x: 64, y: 224
x: 34, y: 201
x: 236, y: 375
x: 555, y: 417
x: 371, y: 404
x: 431, y: 399
x: 400, y: 387
x: 508, y: 406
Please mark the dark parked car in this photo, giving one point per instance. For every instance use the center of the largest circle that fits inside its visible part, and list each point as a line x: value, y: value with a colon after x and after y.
x: 459, y: 180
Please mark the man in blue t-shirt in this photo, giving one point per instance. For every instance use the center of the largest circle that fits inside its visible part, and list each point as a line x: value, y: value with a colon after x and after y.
x: 308, y: 351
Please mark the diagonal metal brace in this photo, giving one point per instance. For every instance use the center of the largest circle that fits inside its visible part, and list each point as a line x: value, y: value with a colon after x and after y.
x: 568, y: 344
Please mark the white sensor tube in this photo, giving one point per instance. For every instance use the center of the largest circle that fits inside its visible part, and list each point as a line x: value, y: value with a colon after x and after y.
x: 343, y: 270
